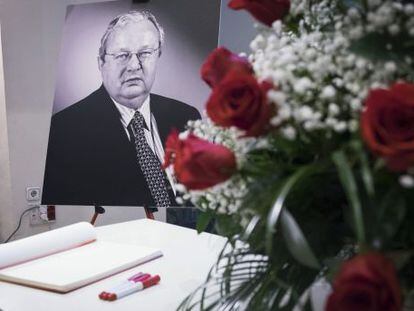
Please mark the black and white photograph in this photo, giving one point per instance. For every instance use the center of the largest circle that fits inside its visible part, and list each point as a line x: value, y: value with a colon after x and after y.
x: 127, y: 75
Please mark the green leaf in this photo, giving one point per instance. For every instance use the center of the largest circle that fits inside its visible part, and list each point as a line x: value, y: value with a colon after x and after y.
x: 250, y: 228
x: 348, y: 182
x: 365, y: 169
x: 400, y: 258
x: 296, y: 241
x: 227, y: 225
x: 276, y: 209
x: 381, y: 47
x: 391, y: 212
x: 203, y: 221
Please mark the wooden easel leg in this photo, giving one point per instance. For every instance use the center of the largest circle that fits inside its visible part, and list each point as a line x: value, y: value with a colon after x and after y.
x: 95, y: 215
x: 98, y: 210
x: 149, y: 213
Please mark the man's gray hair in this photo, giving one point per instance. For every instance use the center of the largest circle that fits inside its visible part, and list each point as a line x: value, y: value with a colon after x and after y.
x: 124, y: 19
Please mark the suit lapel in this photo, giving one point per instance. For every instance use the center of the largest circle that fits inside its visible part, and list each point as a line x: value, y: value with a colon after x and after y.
x: 160, y: 111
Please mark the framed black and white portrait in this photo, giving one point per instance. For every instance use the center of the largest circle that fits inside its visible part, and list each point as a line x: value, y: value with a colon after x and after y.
x: 128, y: 74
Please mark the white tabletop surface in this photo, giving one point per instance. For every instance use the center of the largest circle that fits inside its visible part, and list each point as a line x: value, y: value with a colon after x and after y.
x: 188, y: 256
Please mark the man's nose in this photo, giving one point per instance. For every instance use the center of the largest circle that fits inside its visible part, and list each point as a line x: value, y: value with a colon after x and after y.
x: 134, y: 63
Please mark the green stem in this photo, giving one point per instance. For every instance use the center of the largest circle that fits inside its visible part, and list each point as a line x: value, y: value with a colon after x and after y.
x: 348, y: 182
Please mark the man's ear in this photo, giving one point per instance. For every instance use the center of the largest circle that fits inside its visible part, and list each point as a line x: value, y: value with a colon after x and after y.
x: 100, y: 63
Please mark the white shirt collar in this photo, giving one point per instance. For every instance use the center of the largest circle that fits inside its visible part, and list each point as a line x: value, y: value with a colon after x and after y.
x: 128, y: 113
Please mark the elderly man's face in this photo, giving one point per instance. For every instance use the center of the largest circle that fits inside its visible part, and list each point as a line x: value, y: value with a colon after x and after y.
x: 129, y: 80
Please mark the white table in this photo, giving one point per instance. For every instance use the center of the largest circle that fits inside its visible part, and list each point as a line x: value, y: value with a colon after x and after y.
x: 187, y: 259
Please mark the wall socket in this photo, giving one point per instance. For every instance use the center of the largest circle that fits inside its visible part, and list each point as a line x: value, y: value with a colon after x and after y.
x: 33, y: 194
x: 41, y: 215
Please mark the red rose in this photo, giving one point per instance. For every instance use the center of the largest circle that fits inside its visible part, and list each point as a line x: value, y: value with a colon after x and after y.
x: 366, y: 283
x: 220, y: 62
x: 241, y: 102
x: 387, y: 124
x: 198, y: 164
x: 266, y: 11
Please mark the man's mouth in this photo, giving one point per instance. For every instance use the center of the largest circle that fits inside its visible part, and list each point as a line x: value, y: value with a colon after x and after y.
x: 133, y: 80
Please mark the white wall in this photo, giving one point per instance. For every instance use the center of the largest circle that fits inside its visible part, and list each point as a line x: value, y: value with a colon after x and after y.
x: 236, y: 29
x: 5, y: 186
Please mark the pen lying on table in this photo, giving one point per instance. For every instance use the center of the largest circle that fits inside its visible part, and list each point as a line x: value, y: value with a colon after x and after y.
x: 133, y: 284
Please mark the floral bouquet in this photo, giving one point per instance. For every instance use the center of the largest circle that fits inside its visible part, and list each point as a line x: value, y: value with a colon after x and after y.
x: 306, y: 159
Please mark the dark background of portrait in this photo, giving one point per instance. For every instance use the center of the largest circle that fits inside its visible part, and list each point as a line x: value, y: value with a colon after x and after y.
x: 191, y: 32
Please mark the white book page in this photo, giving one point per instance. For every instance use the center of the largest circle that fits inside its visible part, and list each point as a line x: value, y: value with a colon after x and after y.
x: 46, y: 243
x: 80, y: 266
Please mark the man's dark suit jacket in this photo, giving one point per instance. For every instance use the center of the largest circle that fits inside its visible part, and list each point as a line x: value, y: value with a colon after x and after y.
x: 90, y: 159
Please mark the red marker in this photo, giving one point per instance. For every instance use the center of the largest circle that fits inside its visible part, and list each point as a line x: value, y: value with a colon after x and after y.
x: 139, y: 277
x: 133, y: 288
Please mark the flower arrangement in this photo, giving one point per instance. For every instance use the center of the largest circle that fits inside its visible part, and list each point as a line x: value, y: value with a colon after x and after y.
x: 306, y: 159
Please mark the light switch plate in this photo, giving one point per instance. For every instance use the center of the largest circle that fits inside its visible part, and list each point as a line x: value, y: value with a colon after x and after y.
x: 33, y: 194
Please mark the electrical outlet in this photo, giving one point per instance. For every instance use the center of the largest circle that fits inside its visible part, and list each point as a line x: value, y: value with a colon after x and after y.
x: 42, y: 214
x: 33, y: 194
x: 35, y: 216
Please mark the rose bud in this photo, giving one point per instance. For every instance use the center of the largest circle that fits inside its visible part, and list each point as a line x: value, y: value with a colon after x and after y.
x: 265, y: 11
x: 220, y: 62
x: 366, y: 283
x: 387, y: 125
x: 240, y: 101
x: 198, y: 164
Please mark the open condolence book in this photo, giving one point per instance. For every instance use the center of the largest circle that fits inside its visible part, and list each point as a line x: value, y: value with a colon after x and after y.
x: 64, y: 259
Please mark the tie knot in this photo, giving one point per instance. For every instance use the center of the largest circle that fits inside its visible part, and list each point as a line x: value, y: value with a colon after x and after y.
x: 138, y: 122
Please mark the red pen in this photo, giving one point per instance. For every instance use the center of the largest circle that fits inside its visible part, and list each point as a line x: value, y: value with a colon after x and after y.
x: 133, y: 288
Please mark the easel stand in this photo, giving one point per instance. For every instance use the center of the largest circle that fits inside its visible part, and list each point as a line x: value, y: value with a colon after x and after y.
x: 149, y: 213
x: 98, y: 210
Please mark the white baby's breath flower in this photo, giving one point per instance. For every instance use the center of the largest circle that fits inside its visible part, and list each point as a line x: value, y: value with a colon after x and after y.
x: 183, y: 135
x: 328, y: 92
x: 394, y: 29
x: 289, y: 132
x: 361, y: 63
x: 409, y: 9
x: 406, y: 181
x: 276, y: 97
x: 355, y: 104
x: 302, y: 85
x: 353, y: 13
x: 353, y: 125
x: 374, y: 3
x: 331, y: 122
x: 276, y: 121
x: 340, y: 127
x: 180, y: 188
x: 356, y: 32
x: 338, y: 82
x: 284, y: 112
x: 333, y: 109
x: 390, y: 67
x: 303, y: 113
x: 310, y: 125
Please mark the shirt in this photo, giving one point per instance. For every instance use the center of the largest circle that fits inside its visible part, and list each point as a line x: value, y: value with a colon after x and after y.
x: 151, y: 131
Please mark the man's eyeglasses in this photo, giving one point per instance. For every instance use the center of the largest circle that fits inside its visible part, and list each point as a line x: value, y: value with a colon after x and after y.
x: 124, y: 57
